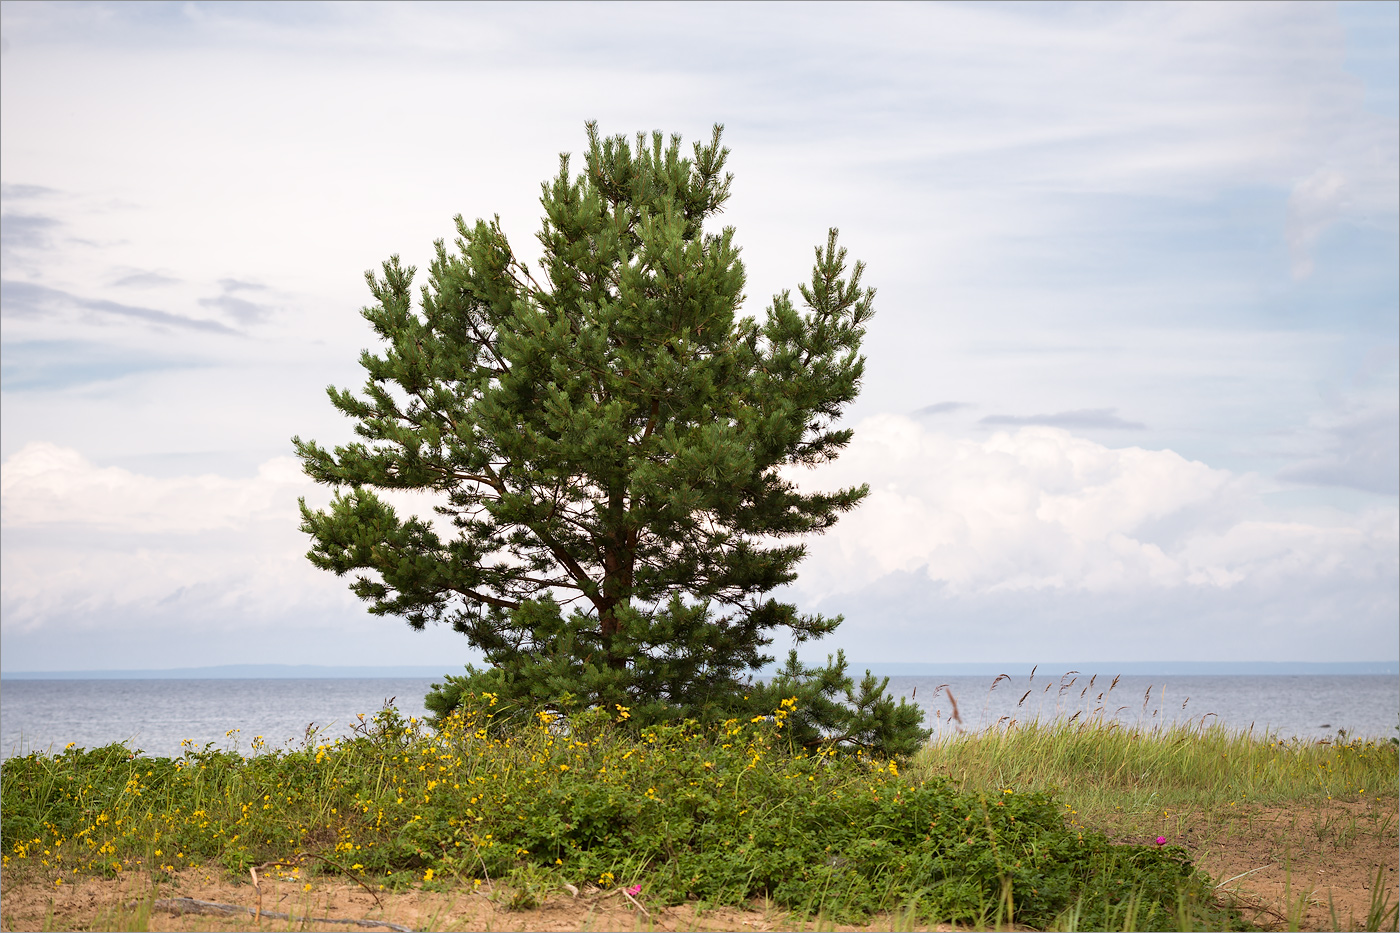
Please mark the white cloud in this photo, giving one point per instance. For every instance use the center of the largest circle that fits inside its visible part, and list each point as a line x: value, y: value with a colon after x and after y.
x: 90, y: 544
x: 1043, y: 510
x: 973, y: 539
x: 85, y: 545
x: 45, y: 484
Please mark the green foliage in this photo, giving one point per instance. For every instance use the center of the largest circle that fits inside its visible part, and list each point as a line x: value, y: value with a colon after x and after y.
x: 828, y: 709
x: 605, y: 439
x: 722, y: 813
x: 831, y: 710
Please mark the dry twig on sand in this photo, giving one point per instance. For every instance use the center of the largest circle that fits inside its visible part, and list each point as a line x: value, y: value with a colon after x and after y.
x: 190, y: 905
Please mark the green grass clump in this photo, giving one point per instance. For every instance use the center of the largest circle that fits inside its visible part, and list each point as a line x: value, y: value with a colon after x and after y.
x: 1099, y: 767
x: 721, y: 814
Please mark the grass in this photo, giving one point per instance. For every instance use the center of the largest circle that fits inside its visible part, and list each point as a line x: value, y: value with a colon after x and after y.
x: 1252, y: 800
x: 1101, y: 771
x: 671, y: 814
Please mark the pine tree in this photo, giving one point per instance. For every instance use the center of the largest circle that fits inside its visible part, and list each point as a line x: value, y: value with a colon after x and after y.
x: 607, y: 441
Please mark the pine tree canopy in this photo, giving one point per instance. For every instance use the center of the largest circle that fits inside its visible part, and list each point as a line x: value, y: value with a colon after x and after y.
x: 608, y: 443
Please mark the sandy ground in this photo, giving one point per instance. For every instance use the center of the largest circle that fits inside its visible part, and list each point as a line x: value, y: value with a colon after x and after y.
x: 131, y: 903
x: 1296, y: 867
x: 1304, y: 864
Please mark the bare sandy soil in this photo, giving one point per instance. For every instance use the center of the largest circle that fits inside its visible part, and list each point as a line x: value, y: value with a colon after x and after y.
x: 132, y: 904
x: 1299, y: 867
x: 1314, y: 866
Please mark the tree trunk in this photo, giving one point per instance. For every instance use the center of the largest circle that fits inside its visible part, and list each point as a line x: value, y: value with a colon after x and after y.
x: 618, y: 561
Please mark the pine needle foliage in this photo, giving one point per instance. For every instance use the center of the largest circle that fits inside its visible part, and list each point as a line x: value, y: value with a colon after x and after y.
x: 607, y: 439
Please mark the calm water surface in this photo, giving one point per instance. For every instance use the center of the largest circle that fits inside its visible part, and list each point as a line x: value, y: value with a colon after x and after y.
x: 157, y: 715
x: 1308, y: 706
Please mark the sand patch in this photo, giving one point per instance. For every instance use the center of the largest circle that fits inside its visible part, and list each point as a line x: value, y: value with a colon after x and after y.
x: 127, y: 903
x: 1304, y: 862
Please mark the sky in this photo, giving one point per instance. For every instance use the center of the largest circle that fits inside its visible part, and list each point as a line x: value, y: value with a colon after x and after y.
x: 1132, y: 379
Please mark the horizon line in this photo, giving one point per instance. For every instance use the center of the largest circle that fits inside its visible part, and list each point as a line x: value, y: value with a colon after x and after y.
x: 882, y: 668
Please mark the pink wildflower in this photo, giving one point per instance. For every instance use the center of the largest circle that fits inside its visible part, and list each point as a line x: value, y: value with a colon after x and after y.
x: 635, y: 890
x: 1161, y: 840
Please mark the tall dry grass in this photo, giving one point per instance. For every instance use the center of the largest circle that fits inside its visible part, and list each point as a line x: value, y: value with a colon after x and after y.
x: 1100, y: 767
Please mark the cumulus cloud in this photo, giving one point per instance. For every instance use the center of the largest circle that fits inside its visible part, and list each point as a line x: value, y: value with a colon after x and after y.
x: 45, y: 484
x: 1309, y: 616
x: 87, y: 544
x: 993, y: 548
x: 103, y: 567
x: 1041, y: 510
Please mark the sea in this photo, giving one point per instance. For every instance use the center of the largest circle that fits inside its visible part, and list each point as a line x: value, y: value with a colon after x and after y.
x: 164, y: 717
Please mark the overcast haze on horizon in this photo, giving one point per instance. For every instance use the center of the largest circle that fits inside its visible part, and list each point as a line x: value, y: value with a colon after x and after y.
x: 1132, y: 382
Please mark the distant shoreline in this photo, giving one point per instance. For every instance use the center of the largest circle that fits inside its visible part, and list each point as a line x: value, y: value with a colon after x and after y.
x: 893, y: 669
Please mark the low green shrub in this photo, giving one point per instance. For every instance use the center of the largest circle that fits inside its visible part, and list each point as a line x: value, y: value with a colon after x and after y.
x: 722, y: 814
